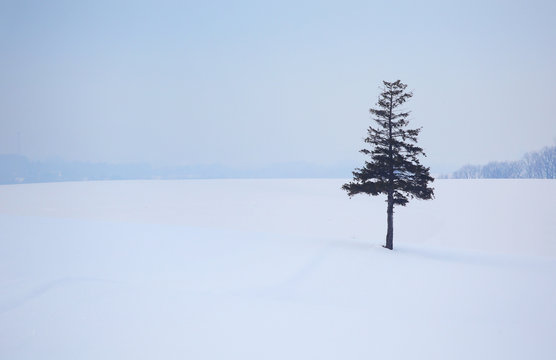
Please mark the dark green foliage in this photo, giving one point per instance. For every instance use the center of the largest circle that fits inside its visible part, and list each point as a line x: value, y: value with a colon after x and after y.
x: 394, y: 168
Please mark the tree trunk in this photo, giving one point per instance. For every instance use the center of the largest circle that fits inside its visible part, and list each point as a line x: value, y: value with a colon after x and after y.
x: 390, y: 232
x: 390, y: 210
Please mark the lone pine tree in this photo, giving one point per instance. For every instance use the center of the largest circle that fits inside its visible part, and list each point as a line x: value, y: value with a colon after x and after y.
x: 394, y: 168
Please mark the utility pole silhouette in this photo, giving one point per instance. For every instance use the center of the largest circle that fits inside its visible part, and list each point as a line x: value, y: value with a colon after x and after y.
x: 19, y: 143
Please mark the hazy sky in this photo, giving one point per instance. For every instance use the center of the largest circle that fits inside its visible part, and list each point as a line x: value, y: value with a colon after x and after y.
x: 246, y: 83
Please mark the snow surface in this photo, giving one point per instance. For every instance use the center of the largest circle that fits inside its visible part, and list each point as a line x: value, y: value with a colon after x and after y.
x: 276, y: 269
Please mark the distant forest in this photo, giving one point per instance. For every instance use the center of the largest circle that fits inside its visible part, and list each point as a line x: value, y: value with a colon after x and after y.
x: 534, y: 165
x: 17, y: 169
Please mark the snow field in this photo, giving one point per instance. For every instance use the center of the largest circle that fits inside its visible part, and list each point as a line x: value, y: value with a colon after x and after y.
x: 275, y: 269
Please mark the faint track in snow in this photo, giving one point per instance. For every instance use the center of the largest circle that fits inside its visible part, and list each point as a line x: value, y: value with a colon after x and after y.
x: 40, y: 291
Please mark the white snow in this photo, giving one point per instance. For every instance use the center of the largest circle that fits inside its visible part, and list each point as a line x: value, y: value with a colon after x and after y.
x: 276, y: 269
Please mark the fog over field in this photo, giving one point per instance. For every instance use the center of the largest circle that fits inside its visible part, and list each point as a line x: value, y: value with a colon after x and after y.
x: 171, y: 179
x: 246, y: 84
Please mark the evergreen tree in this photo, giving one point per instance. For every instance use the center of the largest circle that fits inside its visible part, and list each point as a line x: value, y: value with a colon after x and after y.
x: 394, y: 168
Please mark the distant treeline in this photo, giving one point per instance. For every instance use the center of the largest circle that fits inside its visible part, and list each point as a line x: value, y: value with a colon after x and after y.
x: 534, y: 165
x: 17, y: 169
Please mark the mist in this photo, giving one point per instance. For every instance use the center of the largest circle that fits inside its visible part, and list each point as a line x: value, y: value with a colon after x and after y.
x: 248, y: 84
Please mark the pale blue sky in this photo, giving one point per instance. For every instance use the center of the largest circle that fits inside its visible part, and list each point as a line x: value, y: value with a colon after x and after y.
x: 246, y: 83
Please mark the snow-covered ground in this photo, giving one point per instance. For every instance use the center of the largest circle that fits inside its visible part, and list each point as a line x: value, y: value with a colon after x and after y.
x: 276, y: 269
